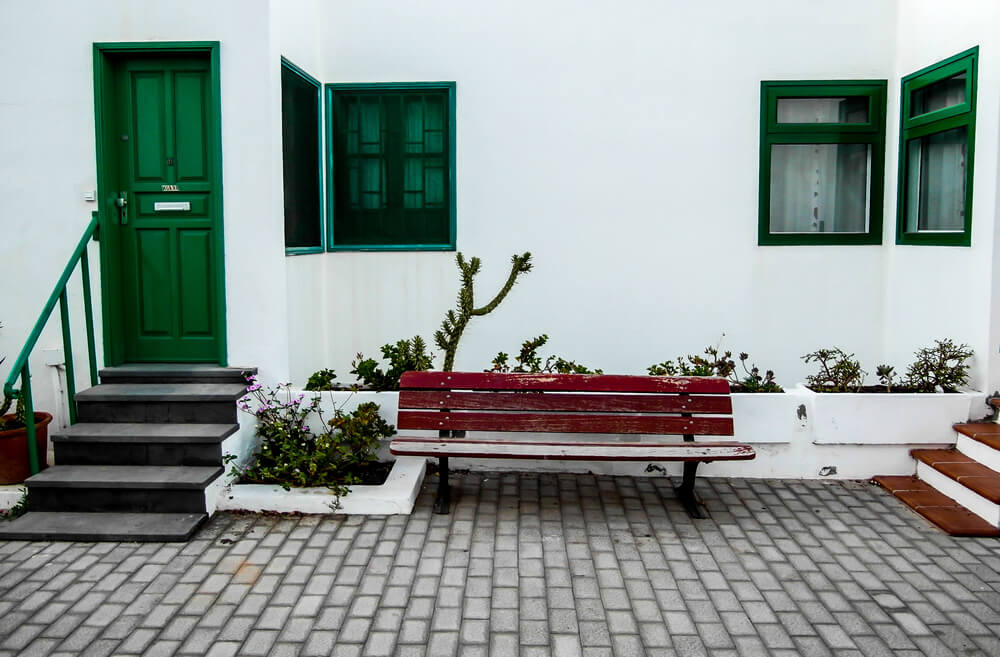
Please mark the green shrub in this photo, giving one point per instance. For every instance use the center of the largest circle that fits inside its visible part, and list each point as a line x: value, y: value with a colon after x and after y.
x: 322, y: 380
x: 886, y: 376
x: 752, y: 381
x: 838, y: 371
x: 528, y: 360
x: 721, y: 364
x: 715, y: 365
x: 404, y: 356
x: 942, y: 366
x: 290, y: 454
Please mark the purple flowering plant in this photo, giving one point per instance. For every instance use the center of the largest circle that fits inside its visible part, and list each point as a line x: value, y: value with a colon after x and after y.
x: 291, y: 454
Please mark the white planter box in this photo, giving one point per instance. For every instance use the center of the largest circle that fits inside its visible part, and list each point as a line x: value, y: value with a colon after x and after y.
x: 797, y: 434
x: 765, y: 417
x: 892, y: 418
x: 396, y: 496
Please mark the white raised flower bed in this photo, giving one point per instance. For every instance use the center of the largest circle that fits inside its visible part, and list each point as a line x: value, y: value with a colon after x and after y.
x: 396, y: 496
x: 905, y: 418
x: 796, y: 434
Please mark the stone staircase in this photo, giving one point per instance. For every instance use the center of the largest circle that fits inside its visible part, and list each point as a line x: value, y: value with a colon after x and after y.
x: 138, y: 463
x: 957, y: 489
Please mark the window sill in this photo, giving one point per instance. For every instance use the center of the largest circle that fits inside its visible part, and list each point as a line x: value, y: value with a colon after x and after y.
x: 393, y: 247
x: 302, y: 250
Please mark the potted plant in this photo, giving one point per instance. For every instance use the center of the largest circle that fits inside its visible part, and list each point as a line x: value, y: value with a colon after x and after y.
x: 14, y: 467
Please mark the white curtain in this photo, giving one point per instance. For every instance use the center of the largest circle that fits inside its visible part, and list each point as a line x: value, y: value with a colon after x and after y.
x: 820, y: 188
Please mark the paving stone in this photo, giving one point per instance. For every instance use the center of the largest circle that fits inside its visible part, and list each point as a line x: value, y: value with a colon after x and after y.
x: 527, y: 565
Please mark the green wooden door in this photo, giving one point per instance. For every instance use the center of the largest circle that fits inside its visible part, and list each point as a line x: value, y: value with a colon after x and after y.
x: 166, y: 216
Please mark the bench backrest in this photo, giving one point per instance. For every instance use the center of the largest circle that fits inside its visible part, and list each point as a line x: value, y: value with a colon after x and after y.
x: 570, y: 403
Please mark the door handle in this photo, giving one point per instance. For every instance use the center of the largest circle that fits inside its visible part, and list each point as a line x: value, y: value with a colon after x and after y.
x: 122, y: 203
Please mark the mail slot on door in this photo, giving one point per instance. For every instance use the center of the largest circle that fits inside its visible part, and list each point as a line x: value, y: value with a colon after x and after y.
x: 188, y: 206
x: 172, y: 206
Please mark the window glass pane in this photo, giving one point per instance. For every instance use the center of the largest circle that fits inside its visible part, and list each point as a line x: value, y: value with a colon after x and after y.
x: 845, y: 109
x: 935, y: 181
x: 300, y: 160
x: 390, y: 168
x: 939, y: 95
x: 820, y: 188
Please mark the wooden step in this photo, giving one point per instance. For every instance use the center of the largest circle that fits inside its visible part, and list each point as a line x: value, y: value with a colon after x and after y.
x: 963, y: 469
x: 980, y: 441
x: 936, y: 507
x: 987, y: 433
x: 65, y: 526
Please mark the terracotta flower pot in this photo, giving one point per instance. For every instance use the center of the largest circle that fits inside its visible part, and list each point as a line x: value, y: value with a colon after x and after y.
x: 14, y: 449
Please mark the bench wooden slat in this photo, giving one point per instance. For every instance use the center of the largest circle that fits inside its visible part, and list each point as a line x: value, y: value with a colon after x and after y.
x: 565, y: 423
x: 512, y: 449
x: 565, y: 382
x: 580, y: 402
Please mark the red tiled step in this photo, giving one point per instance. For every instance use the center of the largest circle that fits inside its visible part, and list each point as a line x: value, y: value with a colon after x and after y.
x: 966, y: 471
x: 987, y: 433
x: 939, y: 509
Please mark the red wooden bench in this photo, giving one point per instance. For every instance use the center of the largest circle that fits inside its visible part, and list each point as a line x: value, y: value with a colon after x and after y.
x: 455, y: 402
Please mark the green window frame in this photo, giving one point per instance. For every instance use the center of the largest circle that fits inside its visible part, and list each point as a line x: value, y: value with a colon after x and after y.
x: 859, y: 130
x: 301, y: 157
x: 954, y: 126
x: 391, y: 166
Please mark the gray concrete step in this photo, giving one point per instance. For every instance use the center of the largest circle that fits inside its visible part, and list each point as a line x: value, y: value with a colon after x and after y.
x: 155, y: 444
x: 121, y: 488
x: 63, y: 526
x: 147, y: 446
x: 166, y: 392
x: 174, y: 373
x: 124, y: 477
x: 137, y: 432
x: 202, y: 403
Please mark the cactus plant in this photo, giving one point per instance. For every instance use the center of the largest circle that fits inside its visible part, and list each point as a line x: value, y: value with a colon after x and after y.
x: 450, y: 333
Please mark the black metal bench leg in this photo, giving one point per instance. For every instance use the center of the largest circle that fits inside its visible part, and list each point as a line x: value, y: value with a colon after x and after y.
x: 686, y: 494
x: 442, y: 505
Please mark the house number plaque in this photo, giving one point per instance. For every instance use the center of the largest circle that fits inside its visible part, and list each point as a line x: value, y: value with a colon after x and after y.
x: 169, y: 188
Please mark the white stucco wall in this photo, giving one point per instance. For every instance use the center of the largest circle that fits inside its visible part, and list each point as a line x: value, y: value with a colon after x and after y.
x: 620, y: 146
x: 47, y: 162
x: 937, y: 292
x: 300, y: 36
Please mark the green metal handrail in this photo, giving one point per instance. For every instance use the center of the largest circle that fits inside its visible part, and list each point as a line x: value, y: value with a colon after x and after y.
x: 20, y: 367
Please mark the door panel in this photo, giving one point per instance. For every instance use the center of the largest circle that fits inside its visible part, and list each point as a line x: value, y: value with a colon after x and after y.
x: 153, y: 254
x: 192, y: 152
x: 193, y: 280
x: 168, y: 230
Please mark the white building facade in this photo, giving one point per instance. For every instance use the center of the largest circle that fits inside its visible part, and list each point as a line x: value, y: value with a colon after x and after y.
x: 620, y: 145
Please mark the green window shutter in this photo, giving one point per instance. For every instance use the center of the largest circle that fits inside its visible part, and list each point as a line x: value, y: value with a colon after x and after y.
x: 392, y: 169
x: 300, y: 150
x: 936, y: 148
x: 822, y: 162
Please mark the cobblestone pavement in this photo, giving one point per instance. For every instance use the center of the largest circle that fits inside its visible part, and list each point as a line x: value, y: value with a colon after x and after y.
x: 530, y: 565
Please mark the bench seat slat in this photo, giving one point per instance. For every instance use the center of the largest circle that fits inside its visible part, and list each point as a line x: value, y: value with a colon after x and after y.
x: 565, y: 423
x: 579, y: 402
x: 566, y: 382
x: 512, y: 449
